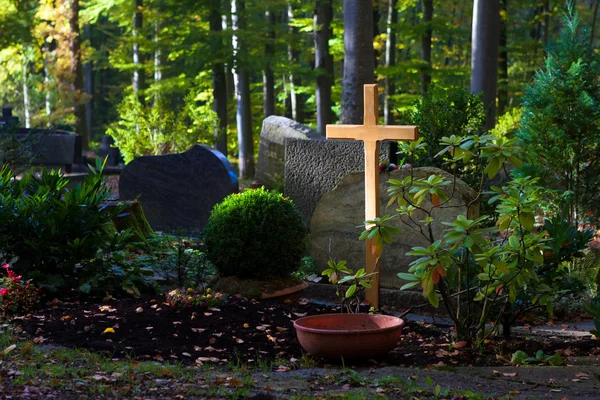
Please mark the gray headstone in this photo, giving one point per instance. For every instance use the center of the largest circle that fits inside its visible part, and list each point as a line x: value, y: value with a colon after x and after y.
x: 178, y: 191
x: 342, y: 210
x: 314, y: 167
x: 271, y: 151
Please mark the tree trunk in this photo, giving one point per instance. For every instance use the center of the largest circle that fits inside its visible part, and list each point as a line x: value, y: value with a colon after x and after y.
x: 359, y: 68
x: 426, y: 45
x: 390, y: 61
x: 88, y: 75
x: 138, y: 82
x: 546, y: 22
x: 484, y: 54
x: 157, y: 63
x: 218, y: 77
x: 48, y: 96
x: 593, y: 29
x: 503, y: 61
x: 26, y: 100
x: 77, y: 75
x: 242, y: 91
x: 268, y: 78
x: 323, y: 15
x: 376, y: 17
x: 297, y: 101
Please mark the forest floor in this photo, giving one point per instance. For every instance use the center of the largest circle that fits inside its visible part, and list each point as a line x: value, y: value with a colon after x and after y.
x: 146, y: 348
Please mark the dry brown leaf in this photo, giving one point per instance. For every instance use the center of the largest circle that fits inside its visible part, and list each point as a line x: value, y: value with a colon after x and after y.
x: 283, y: 368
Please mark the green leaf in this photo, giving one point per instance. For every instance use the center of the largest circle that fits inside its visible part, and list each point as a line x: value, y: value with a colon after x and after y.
x: 519, y: 357
x: 434, y: 299
x: 351, y: 290
x: 408, y: 277
x: 493, y: 167
x: 513, y: 241
x: 409, y: 285
x: 527, y: 219
x: 86, y: 288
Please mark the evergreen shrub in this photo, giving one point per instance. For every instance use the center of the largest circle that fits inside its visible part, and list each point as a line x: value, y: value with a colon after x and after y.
x: 51, y: 231
x: 255, y: 235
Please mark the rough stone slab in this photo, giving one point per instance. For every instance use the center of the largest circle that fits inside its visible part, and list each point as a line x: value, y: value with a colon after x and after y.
x: 179, y: 190
x: 314, y: 167
x: 271, y: 151
x: 340, y: 214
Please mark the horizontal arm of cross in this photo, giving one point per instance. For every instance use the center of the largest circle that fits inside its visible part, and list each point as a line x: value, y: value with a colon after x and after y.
x: 372, y: 133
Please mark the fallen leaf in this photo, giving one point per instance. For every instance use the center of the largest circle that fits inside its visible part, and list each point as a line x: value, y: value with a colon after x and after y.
x: 38, y: 340
x: 238, y: 340
x: 198, y: 330
x: 9, y: 348
x: 280, y: 329
x: 139, y: 310
x: 283, y: 368
x: 186, y: 354
x: 246, y: 325
x: 108, y: 330
x: 207, y: 314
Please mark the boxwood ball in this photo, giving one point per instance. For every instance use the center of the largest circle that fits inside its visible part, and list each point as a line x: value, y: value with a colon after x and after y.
x: 255, y: 234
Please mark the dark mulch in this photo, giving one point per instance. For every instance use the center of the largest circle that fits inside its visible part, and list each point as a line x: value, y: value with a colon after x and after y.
x: 243, y: 330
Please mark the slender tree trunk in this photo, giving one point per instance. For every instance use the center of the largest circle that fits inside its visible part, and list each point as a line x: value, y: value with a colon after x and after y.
x: 593, y: 30
x: 157, y: 63
x: 359, y: 67
x: 297, y: 101
x: 484, y: 54
x: 138, y: 82
x: 26, y: 99
x: 376, y: 17
x: 426, y: 45
x: 226, y: 23
x: 219, y: 79
x: 390, y: 61
x: 546, y: 22
x: 503, y: 61
x: 47, y: 89
x: 268, y: 78
x: 242, y: 91
x: 323, y: 15
x: 77, y: 87
x: 88, y: 78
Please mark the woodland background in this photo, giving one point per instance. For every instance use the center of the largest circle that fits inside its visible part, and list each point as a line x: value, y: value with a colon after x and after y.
x: 170, y: 68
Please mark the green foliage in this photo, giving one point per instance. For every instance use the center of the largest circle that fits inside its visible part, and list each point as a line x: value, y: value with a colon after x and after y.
x: 255, y: 234
x: 560, y: 128
x: 114, y: 269
x: 177, y: 260
x: 444, y: 112
x: 339, y: 274
x: 190, y: 297
x: 476, y: 271
x: 594, y: 311
x: 51, y: 230
x: 521, y: 358
x: 151, y: 130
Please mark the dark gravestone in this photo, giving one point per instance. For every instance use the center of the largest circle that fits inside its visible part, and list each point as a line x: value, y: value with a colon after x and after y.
x: 107, y: 150
x: 314, y: 167
x: 178, y: 191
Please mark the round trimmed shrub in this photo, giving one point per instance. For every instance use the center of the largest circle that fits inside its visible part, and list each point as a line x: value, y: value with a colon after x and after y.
x: 255, y: 234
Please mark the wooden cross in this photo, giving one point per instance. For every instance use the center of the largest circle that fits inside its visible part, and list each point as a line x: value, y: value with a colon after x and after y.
x: 371, y: 134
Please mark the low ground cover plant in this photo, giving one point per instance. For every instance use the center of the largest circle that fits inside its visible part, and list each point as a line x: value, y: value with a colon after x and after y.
x: 17, y: 296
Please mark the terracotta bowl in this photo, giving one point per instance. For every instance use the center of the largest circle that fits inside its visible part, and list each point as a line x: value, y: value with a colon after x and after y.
x: 351, y: 336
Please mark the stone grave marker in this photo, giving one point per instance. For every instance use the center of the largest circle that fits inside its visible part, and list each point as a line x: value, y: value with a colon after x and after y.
x: 178, y: 191
x: 371, y: 134
x: 340, y: 212
x: 271, y: 151
x: 314, y: 167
